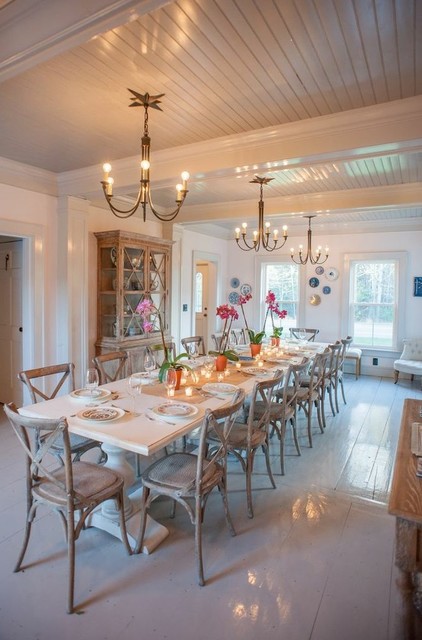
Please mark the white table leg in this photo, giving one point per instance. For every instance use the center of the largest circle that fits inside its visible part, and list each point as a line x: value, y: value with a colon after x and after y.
x: 106, y: 517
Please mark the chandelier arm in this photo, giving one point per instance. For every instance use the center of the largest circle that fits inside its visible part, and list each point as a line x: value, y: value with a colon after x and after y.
x: 121, y: 213
x: 247, y: 246
x: 166, y: 217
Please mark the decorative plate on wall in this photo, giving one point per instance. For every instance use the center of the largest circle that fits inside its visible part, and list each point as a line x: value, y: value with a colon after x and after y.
x: 326, y: 290
x: 234, y: 283
x: 313, y: 282
x: 315, y: 300
x: 319, y: 271
x: 331, y: 273
x: 234, y: 297
x: 245, y: 289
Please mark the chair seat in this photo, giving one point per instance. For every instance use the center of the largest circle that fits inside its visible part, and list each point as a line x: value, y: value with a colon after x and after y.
x: 88, y: 480
x: 177, y: 471
x: 408, y: 366
x: 239, y: 436
x: 353, y: 353
x: 277, y: 411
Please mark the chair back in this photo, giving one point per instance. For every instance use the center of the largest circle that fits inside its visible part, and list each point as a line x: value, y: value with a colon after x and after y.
x: 198, y: 340
x: 112, y: 366
x: 291, y: 383
x: 333, y: 362
x: 263, y: 393
x: 239, y: 336
x: 346, y: 342
x: 158, y: 351
x: 219, y: 423
x: 52, y: 376
x: 310, y: 333
x: 317, y: 371
x: 38, y: 437
x: 218, y: 339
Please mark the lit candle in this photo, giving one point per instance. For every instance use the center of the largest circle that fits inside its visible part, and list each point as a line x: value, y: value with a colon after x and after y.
x: 237, y: 231
x: 185, y: 178
x: 183, y: 380
x: 188, y: 391
x: 220, y: 377
x: 109, y: 187
x: 106, y: 170
x: 203, y: 371
x: 238, y: 365
x: 208, y: 374
x: 260, y: 363
x: 284, y: 231
x: 170, y: 392
x: 226, y: 372
x: 275, y: 234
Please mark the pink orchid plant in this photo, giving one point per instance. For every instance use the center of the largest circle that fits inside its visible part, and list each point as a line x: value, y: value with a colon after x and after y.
x: 273, y: 308
x: 228, y: 314
x: 147, y: 310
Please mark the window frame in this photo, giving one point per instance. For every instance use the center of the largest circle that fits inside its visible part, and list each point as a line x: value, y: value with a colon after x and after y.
x: 400, y: 258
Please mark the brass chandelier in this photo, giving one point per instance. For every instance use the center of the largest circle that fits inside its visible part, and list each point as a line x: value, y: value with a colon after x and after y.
x: 262, y: 235
x: 303, y: 258
x: 144, y: 194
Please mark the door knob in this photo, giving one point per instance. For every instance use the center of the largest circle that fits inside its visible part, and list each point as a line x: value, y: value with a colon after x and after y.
x: 20, y: 329
x: 205, y: 315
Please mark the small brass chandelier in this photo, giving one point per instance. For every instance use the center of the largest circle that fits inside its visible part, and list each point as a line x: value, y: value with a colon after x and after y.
x: 308, y: 256
x: 262, y: 235
x: 144, y: 194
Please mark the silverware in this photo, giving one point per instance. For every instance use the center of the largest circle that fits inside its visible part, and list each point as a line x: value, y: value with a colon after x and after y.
x: 157, y: 420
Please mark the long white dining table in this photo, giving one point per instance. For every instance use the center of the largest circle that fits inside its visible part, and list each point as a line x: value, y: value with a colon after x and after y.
x: 142, y: 432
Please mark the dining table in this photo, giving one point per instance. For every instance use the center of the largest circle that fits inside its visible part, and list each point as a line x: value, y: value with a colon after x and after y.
x: 146, y: 423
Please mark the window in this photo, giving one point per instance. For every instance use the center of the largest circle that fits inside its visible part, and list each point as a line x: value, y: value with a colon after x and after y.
x: 198, y: 292
x: 373, y: 302
x: 283, y: 279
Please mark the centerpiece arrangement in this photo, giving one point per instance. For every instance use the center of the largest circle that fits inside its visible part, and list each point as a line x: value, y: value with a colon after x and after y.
x: 228, y: 314
x: 148, y: 311
x: 255, y: 337
x: 273, y: 308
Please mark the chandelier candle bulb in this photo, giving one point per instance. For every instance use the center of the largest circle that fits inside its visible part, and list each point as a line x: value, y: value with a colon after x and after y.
x: 237, y: 231
x: 275, y: 234
x: 106, y: 169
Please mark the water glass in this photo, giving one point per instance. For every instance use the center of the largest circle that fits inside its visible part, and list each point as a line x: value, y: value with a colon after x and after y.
x: 92, y: 380
x: 149, y: 363
x: 170, y: 380
x: 134, y: 385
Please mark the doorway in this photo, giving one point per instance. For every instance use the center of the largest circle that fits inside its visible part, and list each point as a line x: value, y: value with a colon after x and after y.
x: 205, y: 279
x: 11, y: 259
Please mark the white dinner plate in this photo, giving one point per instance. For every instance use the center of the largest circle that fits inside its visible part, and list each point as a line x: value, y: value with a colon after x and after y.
x: 219, y: 387
x: 101, y: 414
x: 87, y: 394
x: 175, y: 410
x: 256, y: 371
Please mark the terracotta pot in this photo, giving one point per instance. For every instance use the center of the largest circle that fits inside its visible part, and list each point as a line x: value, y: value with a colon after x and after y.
x: 220, y: 363
x: 178, y: 378
x: 275, y: 342
x: 255, y: 349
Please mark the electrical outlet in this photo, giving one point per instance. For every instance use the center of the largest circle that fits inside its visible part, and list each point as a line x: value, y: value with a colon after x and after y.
x: 185, y: 307
x: 375, y: 362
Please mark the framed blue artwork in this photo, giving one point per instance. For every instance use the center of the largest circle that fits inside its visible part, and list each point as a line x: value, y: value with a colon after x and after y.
x: 417, y: 291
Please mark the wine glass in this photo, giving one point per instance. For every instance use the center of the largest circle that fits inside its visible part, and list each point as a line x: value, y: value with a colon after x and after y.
x: 92, y: 381
x: 302, y: 335
x: 193, y: 350
x: 134, y: 386
x: 149, y: 363
x: 170, y: 380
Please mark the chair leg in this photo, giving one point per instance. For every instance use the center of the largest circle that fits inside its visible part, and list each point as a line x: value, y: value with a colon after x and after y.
x: 342, y: 390
x: 266, y: 450
x: 28, y: 526
x: 71, y: 561
x: 249, y: 485
x: 296, y: 441
x: 143, y: 521
x: 198, y: 541
x: 310, y: 424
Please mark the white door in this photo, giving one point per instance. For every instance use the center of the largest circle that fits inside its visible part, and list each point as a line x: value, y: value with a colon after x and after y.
x: 201, y: 300
x: 11, y: 321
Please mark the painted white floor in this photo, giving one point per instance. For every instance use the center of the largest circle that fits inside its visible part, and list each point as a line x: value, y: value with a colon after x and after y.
x: 316, y: 562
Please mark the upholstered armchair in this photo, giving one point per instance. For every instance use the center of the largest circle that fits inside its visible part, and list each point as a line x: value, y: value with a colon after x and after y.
x: 410, y: 361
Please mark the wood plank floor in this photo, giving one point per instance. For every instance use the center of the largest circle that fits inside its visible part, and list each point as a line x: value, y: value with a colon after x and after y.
x: 316, y: 562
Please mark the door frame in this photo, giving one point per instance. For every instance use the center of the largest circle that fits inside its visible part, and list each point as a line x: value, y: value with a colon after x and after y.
x: 33, y: 243
x: 213, y: 291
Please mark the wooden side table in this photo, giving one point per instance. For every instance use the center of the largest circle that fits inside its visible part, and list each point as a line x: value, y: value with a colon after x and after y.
x: 406, y: 504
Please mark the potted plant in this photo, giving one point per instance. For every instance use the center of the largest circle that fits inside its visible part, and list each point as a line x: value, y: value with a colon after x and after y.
x: 274, y: 310
x: 255, y: 339
x: 146, y: 309
x: 228, y: 314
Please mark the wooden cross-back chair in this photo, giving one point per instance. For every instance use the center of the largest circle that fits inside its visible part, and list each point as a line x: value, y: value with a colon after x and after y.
x: 57, y: 377
x: 112, y: 366
x: 73, y: 487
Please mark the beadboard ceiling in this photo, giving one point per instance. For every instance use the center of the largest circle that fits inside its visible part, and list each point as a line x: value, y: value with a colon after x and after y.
x: 323, y: 96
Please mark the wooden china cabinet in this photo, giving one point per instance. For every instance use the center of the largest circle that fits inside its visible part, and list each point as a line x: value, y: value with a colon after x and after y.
x: 131, y: 267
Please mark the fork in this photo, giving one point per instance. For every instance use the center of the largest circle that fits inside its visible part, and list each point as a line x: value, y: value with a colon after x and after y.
x: 156, y: 420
